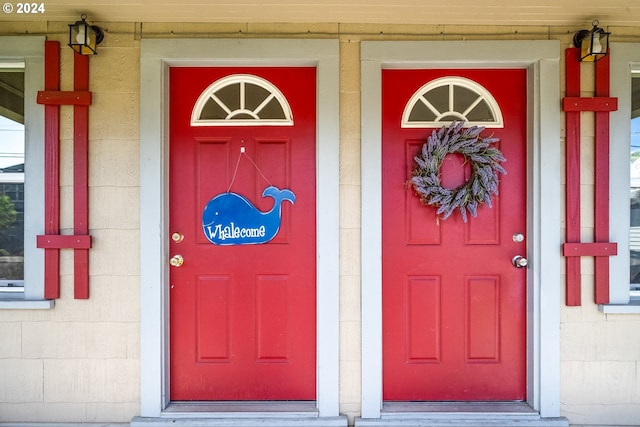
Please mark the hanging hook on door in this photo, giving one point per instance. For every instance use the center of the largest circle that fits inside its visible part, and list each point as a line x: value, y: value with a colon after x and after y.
x: 235, y: 172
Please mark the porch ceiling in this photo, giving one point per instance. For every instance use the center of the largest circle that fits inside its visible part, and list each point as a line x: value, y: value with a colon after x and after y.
x: 430, y: 12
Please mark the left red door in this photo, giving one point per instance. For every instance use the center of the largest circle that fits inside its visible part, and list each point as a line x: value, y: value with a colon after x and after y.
x: 242, y: 318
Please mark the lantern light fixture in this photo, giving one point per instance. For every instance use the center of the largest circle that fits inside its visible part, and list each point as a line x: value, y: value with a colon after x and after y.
x: 84, y: 38
x: 593, y: 44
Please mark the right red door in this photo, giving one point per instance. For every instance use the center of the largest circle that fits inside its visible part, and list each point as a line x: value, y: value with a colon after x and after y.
x: 454, y: 305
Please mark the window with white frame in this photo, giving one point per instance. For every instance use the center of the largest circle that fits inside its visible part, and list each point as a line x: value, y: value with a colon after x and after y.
x: 241, y: 100
x: 12, y: 178
x: 21, y: 172
x: 623, y: 207
x: 449, y: 99
x: 634, y: 184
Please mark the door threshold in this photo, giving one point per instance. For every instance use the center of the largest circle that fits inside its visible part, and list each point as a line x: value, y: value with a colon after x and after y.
x: 241, y: 414
x: 515, y: 408
x: 460, y: 414
x: 247, y: 408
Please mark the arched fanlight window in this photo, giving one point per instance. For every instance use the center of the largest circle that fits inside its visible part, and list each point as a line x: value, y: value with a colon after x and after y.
x: 449, y: 99
x: 241, y: 100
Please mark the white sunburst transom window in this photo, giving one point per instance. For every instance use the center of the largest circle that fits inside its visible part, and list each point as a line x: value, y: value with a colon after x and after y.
x: 448, y: 99
x: 241, y: 100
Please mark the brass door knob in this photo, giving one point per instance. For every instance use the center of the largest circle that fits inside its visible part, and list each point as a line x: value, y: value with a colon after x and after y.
x: 176, y: 260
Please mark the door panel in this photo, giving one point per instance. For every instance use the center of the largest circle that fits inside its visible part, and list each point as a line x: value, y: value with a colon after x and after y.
x: 242, y: 317
x: 454, y: 307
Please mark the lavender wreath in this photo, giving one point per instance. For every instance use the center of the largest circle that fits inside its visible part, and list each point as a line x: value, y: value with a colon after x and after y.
x: 485, y: 165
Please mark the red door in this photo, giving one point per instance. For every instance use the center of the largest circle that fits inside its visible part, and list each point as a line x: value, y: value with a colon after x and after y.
x: 242, y: 317
x: 454, y: 314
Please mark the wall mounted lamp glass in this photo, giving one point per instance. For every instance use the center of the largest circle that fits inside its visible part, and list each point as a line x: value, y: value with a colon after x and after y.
x: 84, y: 38
x: 593, y: 44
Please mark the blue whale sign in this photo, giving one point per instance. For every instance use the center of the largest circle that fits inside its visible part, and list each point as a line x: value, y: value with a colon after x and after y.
x: 231, y: 219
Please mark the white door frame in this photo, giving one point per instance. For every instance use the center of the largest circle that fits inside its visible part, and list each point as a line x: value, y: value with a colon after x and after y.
x: 541, y: 59
x: 156, y: 57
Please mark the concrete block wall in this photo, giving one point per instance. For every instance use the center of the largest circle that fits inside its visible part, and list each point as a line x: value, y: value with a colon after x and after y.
x: 600, y: 358
x: 79, y: 362
x: 350, y: 325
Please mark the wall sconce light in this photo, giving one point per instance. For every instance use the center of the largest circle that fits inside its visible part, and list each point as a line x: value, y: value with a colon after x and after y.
x: 593, y: 44
x: 84, y: 38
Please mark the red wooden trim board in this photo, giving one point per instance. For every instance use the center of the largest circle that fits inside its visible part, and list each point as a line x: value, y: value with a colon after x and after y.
x: 601, y: 166
x: 56, y: 97
x: 589, y: 249
x: 52, y: 169
x: 81, y: 175
x: 601, y: 249
x: 63, y: 242
x: 52, y: 241
x: 572, y: 193
x: 590, y: 104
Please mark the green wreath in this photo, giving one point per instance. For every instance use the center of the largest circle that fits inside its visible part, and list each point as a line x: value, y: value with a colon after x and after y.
x: 485, y: 166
